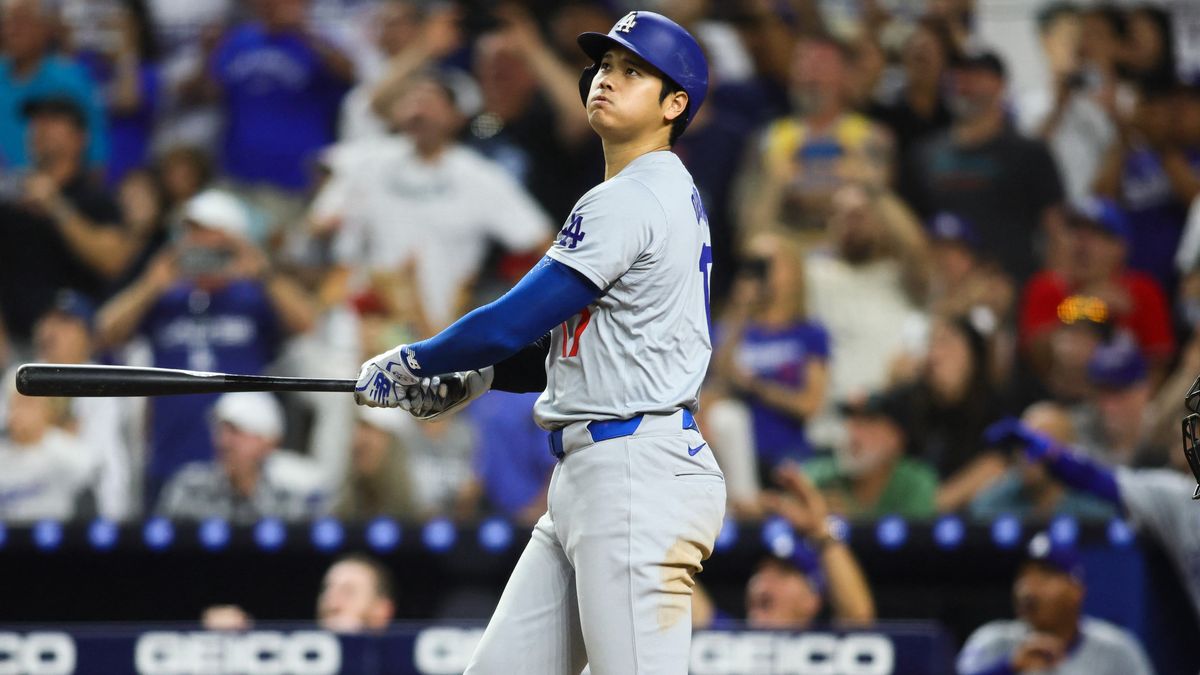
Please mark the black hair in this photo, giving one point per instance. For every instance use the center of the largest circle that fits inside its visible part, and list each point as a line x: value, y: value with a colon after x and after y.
x: 1110, y: 15
x: 1052, y: 12
x: 385, y: 586
x: 148, y: 49
x: 679, y: 123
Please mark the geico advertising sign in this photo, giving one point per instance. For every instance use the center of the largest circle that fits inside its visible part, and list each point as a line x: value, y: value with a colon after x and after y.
x: 36, y: 654
x: 252, y: 653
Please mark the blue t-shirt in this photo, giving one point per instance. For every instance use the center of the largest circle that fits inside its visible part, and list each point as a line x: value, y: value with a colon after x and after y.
x: 513, y: 460
x: 1156, y: 216
x: 54, y: 76
x: 233, y: 330
x: 129, y: 133
x: 780, y: 355
x: 281, y: 105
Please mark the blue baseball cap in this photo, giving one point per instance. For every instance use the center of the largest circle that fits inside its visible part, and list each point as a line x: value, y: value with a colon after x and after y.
x: 1103, y: 214
x: 951, y: 227
x: 1117, y: 364
x: 798, y: 554
x: 1043, y: 550
x: 74, y: 304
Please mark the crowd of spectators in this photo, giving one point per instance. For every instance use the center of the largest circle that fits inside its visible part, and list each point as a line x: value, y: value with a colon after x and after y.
x: 906, y: 247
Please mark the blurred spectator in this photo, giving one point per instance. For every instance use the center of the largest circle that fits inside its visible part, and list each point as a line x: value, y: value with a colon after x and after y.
x: 920, y: 108
x: 869, y: 289
x: 1149, y: 53
x: 870, y: 475
x: 1116, y: 420
x: 208, y: 302
x: 1069, y: 114
x: 358, y: 595
x: 56, y: 229
x: 121, y: 56
x: 250, y: 478
x: 953, y: 399
x: 1098, y: 275
x: 142, y: 204
x: 1153, y: 178
x: 530, y: 122
x: 813, y: 579
x: 440, y: 466
x: 45, y: 471
x: 511, y: 466
x: 378, y: 482
x: 423, y: 197
x: 771, y: 359
x: 982, y: 170
x: 1027, y: 490
x: 30, y: 69
x: 103, y: 423
x: 185, y: 171
x: 805, y: 157
x: 280, y: 84
x: 409, y: 37
x: 963, y: 282
x: 1051, y: 635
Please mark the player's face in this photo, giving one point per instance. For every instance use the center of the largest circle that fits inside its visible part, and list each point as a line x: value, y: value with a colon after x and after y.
x: 349, y: 601
x: 780, y: 598
x: 624, y: 105
x: 1046, y: 599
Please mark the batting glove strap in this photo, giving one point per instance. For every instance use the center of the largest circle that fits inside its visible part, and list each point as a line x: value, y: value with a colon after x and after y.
x: 442, y: 394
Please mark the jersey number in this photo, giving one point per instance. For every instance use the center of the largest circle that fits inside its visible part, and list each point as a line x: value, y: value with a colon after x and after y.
x: 706, y: 270
x: 585, y: 317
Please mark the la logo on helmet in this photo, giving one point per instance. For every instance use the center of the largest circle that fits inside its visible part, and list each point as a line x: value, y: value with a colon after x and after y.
x: 626, y: 24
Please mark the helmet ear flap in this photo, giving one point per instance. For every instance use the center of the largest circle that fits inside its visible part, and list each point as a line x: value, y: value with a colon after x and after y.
x: 585, y: 81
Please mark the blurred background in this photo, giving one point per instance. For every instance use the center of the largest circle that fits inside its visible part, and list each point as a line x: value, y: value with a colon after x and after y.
x: 927, y: 215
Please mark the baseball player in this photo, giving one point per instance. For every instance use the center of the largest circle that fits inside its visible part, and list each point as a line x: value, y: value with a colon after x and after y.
x: 1159, y: 500
x: 612, y: 326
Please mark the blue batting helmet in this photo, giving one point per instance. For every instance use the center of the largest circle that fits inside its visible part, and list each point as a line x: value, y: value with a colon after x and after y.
x: 660, y: 42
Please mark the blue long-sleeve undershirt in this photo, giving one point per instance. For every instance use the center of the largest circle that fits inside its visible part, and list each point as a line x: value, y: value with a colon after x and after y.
x: 546, y: 296
x: 1082, y: 473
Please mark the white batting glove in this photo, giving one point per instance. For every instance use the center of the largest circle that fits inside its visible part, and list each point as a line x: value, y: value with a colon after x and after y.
x: 383, y: 379
x: 436, y: 396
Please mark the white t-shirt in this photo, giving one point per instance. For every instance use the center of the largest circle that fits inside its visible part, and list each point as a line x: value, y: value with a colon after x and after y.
x: 44, y: 480
x: 644, y: 345
x: 1104, y: 649
x: 869, y: 318
x: 394, y: 206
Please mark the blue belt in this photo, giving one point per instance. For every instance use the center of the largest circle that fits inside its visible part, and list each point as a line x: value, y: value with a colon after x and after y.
x: 604, y: 430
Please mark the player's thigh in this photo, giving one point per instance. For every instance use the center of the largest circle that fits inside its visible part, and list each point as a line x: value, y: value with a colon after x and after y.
x: 636, y: 560
x: 535, y: 628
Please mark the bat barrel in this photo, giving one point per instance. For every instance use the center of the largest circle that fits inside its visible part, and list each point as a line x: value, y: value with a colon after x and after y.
x: 51, y: 379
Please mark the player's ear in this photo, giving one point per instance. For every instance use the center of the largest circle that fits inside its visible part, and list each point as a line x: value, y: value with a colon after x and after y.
x: 675, y: 104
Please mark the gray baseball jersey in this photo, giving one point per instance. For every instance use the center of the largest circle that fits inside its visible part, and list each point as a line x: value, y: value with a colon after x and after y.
x: 1160, y: 500
x: 1104, y: 649
x: 644, y: 345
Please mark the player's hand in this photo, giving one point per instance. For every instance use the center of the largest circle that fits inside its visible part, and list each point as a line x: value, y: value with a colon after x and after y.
x: 1010, y: 431
x: 383, y: 379
x: 441, y: 394
x: 1039, y: 651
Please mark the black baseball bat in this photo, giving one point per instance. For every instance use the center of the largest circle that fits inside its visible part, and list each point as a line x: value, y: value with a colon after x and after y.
x: 54, y: 379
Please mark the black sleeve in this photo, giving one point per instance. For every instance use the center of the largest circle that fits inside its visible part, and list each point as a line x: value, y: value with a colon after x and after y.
x: 524, y: 371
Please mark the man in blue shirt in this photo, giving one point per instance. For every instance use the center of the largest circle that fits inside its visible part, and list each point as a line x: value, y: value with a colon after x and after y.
x: 29, y: 70
x: 209, y: 303
x: 281, y: 86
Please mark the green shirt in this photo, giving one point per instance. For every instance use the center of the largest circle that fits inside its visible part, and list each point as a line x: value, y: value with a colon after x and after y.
x: 909, y: 493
